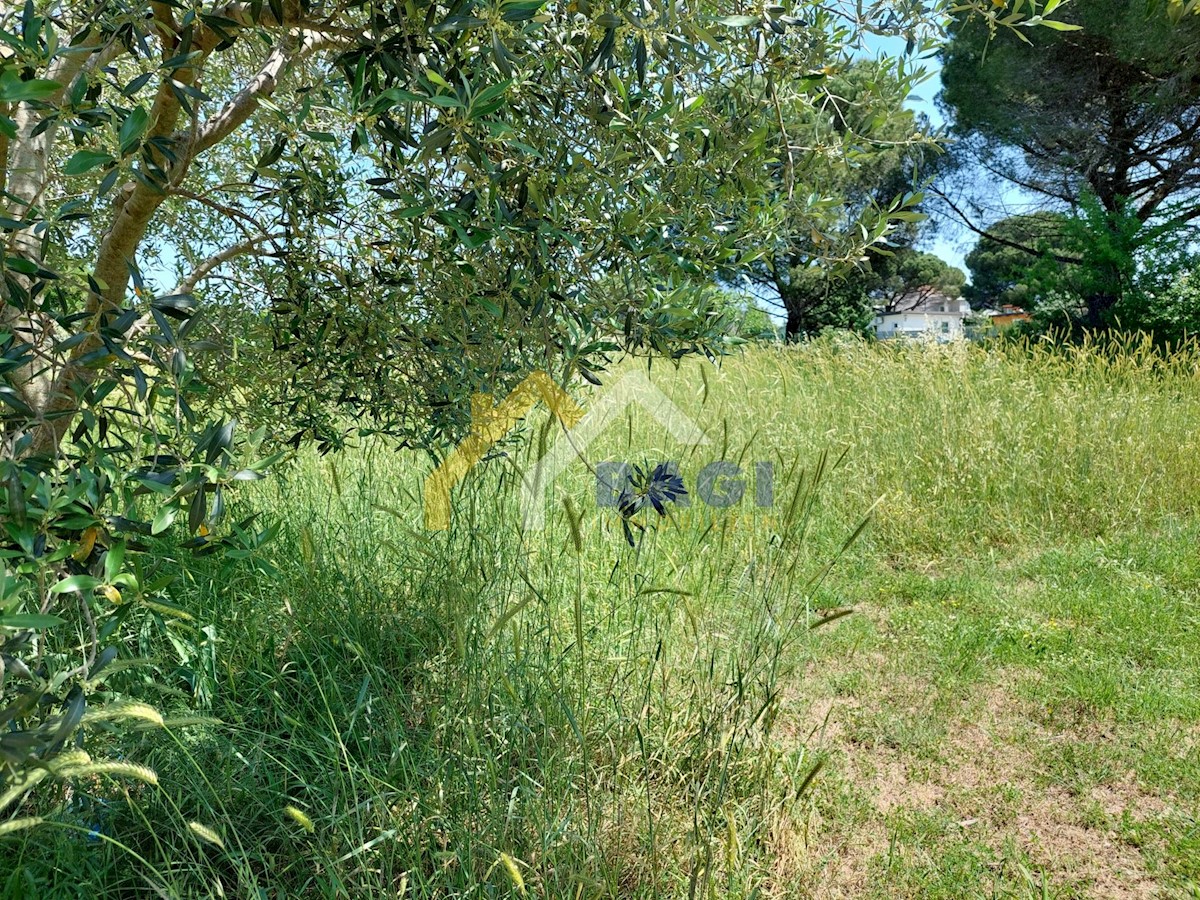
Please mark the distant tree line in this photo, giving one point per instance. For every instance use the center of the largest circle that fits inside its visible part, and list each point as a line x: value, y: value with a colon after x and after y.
x: 1100, y: 125
x: 1095, y: 121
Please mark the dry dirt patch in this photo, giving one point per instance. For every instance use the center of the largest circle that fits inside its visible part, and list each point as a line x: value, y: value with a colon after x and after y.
x: 985, y: 784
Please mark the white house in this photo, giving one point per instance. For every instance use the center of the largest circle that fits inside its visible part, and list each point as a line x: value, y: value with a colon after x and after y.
x: 932, y: 315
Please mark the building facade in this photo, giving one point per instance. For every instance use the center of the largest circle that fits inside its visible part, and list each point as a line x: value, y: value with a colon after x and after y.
x: 933, y: 316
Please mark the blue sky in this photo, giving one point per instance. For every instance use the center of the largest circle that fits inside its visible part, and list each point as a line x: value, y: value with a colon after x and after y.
x: 950, y: 243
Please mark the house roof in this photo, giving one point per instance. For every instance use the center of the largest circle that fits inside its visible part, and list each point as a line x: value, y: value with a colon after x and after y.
x: 929, y: 304
x: 1007, y: 310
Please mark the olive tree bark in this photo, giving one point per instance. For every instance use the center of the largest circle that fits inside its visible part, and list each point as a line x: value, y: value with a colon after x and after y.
x: 52, y: 384
x: 25, y: 177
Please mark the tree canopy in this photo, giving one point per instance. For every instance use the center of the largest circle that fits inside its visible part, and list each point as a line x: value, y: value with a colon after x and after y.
x: 814, y: 262
x: 905, y: 279
x: 1109, y: 107
x: 406, y: 205
x: 1018, y: 263
x: 1105, y: 105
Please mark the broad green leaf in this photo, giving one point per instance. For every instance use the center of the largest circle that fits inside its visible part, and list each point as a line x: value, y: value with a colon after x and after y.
x: 76, y: 583
x: 491, y: 92
x: 19, y: 264
x: 132, y: 129
x: 1060, y: 26
x: 30, y: 620
x: 738, y: 21
x: 113, y: 560
x: 14, y: 90
x: 163, y: 519
x: 86, y: 160
x: 457, y: 23
x: 520, y: 11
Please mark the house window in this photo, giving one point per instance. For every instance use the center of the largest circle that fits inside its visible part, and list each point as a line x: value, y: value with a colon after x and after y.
x: 945, y: 328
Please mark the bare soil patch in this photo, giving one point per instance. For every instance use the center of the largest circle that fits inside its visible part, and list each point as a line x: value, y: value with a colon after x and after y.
x: 985, y: 785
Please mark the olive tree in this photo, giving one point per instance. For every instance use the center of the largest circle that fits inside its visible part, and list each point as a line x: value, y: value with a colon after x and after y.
x: 815, y: 259
x: 384, y: 206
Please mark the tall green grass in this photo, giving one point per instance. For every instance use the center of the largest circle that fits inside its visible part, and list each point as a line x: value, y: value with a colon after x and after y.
x: 489, y: 711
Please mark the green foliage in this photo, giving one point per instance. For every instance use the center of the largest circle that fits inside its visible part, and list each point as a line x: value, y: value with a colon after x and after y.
x: 1034, y: 553
x: 872, y: 151
x: 1022, y: 275
x: 746, y: 320
x: 847, y: 298
x: 755, y: 323
x: 869, y: 150
x: 829, y: 261
x: 817, y: 299
x: 1173, y: 312
x: 1102, y: 114
x: 906, y: 277
x: 481, y: 692
x: 84, y: 568
x: 410, y: 204
x: 1107, y: 243
x: 1121, y: 272
x: 1098, y: 108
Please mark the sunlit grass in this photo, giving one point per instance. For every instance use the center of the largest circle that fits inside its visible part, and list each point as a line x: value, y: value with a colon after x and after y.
x: 490, y: 711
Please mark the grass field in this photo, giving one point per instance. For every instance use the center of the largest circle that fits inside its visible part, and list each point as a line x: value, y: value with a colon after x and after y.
x: 1011, y: 708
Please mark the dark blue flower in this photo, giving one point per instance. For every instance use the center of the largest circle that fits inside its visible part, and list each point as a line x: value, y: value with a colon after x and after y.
x: 657, y: 487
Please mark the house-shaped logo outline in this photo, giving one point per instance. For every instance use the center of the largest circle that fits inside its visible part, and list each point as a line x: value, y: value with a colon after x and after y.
x: 491, y: 421
x: 633, y: 388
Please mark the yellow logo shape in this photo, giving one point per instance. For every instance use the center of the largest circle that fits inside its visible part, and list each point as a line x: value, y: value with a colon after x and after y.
x: 491, y: 421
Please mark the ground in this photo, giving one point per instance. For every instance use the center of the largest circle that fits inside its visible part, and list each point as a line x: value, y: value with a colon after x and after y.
x: 1003, y: 545
x: 980, y: 744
